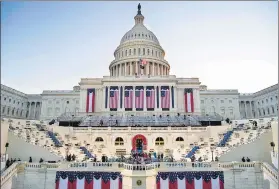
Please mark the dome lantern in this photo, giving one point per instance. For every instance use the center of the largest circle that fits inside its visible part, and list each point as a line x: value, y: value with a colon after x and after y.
x: 139, y: 17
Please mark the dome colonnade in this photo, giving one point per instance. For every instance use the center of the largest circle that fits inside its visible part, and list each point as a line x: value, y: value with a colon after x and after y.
x: 137, y: 43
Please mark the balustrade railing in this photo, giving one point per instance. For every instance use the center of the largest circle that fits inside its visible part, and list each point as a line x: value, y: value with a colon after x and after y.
x: 140, y: 167
x: 270, y: 171
x: 155, y: 165
x: 8, y: 173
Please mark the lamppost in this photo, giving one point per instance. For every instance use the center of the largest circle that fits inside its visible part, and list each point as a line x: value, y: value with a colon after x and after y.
x: 212, y: 150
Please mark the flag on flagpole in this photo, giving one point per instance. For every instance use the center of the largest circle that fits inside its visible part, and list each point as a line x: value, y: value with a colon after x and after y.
x: 142, y: 63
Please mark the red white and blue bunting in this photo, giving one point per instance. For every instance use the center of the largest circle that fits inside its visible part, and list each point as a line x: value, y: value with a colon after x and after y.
x: 88, y: 180
x: 190, y: 180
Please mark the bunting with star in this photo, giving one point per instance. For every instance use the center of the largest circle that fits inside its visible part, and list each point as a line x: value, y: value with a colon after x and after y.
x: 190, y: 180
x: 88, y: 180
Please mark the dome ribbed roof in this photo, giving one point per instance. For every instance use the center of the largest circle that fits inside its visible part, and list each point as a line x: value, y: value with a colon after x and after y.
x: 139, y: 32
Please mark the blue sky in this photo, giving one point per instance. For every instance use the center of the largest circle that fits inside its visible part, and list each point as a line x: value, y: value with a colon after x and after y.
x: 51, y: 45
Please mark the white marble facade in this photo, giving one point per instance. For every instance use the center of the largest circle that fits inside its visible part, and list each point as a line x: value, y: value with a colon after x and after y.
x: 16, y: 104
x: 263, y: 103
x: 139, y: 43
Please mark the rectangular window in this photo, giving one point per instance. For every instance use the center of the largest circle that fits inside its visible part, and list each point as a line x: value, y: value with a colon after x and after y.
x: 222, y: 101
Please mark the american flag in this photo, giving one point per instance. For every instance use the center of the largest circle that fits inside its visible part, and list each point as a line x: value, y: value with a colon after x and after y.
x: 88, y: 180
x: 142, y: 61
x: 191, y: 179
x: 189, y: 100
x: 113, y: 97
x: 128, y: 97
x: 165, y: 97
x: 90, y: 101
x: 139, y: 96
x: 150, y: 97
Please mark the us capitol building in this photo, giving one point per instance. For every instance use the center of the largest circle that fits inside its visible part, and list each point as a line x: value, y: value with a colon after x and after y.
x: 139, y: 82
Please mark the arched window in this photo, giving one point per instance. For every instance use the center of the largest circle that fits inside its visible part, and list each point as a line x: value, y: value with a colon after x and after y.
x: 267, y: 111
x: 135, y: 51
x: 148, y: 51
x: 126, y: 53
x: 139, y: 51
x: 179, y: 139
x: 152, y: 52
x: 99, y: 139
x: 159, y: 141
x: 272, y: 109
x: 130, y: 52
x: 21, y: 113
x: 13, y: 112
x: 3, y: 110
x: 122, y: 54
x: 143, y: 51
x: 119, y: 141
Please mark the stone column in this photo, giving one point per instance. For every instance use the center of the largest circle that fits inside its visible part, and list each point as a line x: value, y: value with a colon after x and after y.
x: 252, y: 116
x: 108, y: 97
x: 120, y: 69
x: 137, y: 67
x: 104, y: 99
x: 147, y: 68
x: 153, y: 70
x: 35, y: 108
x: 197, y: 101
x: 245, y: 109
x: 131, y: 68
x: 125, y: 68
x: 29, y: 112
x: 160, y: 98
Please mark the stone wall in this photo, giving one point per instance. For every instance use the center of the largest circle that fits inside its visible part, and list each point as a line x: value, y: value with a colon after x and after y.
x: 18, y: 148
x: 246, y: 178
x: 258, y: 150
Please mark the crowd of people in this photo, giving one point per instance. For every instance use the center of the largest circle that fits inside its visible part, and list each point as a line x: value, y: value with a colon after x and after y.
x: 247, y: 159
x: 70, y: 157
x: 9, y: 162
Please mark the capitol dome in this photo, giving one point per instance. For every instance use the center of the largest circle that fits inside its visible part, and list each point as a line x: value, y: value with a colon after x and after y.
x: 139, y: 43
x: 139, y: 32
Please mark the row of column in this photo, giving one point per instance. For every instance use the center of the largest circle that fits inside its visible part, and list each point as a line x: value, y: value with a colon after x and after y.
x: 248, y: 110
x: 33, y: 108
x: 144, y: 104
x: 132, y: 68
